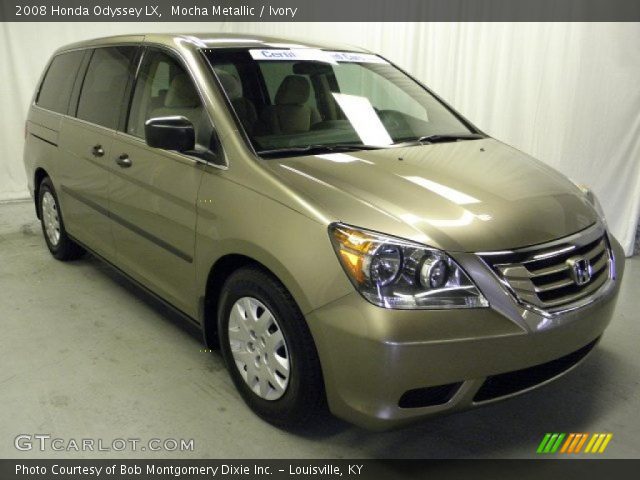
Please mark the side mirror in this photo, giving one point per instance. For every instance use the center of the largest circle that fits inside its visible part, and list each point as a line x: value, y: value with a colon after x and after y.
x: 170, y: 133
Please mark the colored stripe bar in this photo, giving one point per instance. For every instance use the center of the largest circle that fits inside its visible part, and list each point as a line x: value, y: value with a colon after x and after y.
x: 568, y: 442
x: 576, y: 439
x: 605, y: 443
x: 581, y: 443
x: 574, y: 443
x: 554, y: 449
x: 543, y: 443
x: 591, y: 442
x: 596, y: 445
x: 550, y: 443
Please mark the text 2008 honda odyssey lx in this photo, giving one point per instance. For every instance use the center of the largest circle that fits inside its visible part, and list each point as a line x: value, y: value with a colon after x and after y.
x: 344, y: 235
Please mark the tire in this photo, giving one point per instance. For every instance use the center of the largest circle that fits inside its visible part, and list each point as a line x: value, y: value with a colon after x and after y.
x: 302, y: 398
x: 58, y: 242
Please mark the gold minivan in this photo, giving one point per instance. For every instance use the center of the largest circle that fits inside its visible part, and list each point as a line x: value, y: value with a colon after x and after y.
x: 344, y: 236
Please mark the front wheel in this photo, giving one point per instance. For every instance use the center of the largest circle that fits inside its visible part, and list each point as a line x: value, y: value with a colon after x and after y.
x: 268, y: 349
x: 58, y: 242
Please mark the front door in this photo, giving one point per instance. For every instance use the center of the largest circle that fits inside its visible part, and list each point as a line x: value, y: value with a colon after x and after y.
x: 153, y: 193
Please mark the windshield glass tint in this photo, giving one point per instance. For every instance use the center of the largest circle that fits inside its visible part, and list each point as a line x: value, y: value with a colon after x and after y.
x: 297, y: 98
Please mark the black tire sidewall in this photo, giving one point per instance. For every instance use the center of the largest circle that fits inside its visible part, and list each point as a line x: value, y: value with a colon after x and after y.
x: 66, y: 249
x: 47, y: 186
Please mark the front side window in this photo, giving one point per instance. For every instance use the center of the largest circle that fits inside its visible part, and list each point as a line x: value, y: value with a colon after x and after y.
x: 57, y: 85
x: 165, y: 89
x: 104, y: 85
x: 307, y: 99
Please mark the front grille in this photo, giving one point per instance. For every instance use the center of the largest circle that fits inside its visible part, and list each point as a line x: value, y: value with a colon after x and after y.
x: 516, y: 381
x: 543, y: 276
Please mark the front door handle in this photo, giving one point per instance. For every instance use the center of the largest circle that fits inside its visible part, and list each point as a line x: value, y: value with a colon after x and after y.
x: 124, y: 161
x: 97, y: 151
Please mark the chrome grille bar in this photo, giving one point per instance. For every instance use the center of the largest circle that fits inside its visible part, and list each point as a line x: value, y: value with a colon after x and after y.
x: 551, y: 276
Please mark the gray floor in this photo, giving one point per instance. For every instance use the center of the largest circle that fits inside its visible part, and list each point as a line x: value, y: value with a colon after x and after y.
x: 84, y: 354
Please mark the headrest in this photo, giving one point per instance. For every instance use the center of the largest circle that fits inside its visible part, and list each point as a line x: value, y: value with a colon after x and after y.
x: 230, y: 83
x: 182, y: 93
x: 294, y: 90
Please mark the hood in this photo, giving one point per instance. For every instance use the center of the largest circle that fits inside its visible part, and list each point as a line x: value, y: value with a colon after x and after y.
x: 477, y: 195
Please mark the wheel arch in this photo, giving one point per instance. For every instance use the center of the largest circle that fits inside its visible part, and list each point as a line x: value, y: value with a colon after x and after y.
x: 39, y: 175
x: 219, y: 272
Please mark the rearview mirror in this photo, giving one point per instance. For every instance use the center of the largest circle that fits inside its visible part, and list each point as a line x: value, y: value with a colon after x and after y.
x: 170, y: 133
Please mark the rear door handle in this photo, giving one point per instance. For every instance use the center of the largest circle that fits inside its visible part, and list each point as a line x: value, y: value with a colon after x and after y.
x: 124, y: 161
x: 97, y: 151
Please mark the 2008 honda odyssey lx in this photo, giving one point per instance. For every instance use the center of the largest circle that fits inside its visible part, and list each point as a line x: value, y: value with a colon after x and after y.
x: 344, y: 235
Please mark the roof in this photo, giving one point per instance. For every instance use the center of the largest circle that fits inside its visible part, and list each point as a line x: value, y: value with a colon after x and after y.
x: 212, y: 40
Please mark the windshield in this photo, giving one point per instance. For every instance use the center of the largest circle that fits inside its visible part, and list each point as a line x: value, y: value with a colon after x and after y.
x: 306, y: 99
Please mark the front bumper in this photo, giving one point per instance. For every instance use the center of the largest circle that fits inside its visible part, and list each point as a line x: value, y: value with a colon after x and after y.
x: 372, y: 356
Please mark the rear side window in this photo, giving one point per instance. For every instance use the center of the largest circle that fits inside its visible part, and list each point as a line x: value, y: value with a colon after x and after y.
x: 105, y: 82
x: 57, y: 85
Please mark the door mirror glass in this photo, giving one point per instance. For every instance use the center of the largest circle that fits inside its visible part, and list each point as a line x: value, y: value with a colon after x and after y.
x: 170, y: 133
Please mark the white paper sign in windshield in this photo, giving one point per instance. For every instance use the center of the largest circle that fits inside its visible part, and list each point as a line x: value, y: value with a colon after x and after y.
x: 314, y: 54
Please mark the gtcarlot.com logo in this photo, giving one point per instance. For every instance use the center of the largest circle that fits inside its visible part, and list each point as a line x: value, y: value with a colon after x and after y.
x: 574, y: 443
x: 45, y: 442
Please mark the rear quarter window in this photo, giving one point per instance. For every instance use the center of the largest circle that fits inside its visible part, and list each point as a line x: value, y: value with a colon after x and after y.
x: 55, y: 91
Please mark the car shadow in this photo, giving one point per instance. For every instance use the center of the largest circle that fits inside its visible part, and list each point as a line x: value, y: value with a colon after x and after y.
x: 154, y: 303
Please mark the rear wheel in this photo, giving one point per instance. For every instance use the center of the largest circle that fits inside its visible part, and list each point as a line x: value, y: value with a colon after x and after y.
x: 58, y: 242
x: 268, y: 349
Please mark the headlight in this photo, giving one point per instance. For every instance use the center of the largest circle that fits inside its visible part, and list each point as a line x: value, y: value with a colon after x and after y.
x: 395, y: 273
x: 593, y: 200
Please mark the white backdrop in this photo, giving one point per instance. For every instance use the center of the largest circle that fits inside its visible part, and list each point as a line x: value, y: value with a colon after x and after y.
x: 566, y: 93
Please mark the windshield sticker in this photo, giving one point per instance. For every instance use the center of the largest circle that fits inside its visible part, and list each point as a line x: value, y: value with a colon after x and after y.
x: 357, y: 57
x: 314, y: 54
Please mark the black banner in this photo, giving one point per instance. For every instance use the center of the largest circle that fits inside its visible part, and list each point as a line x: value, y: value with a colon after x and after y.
x: 318, y: 10
x: 318, y: 469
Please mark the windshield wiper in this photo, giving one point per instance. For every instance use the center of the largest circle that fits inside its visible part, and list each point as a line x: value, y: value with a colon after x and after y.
x: 448, y: 137
x: 313, y: 149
